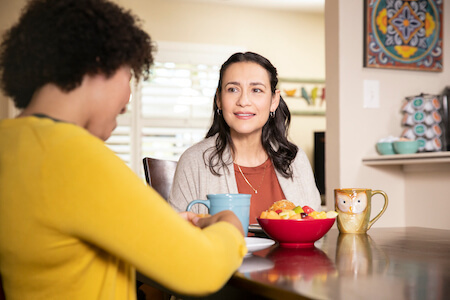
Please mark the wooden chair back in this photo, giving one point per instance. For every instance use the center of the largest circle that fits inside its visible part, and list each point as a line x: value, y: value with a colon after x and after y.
x: 159, y: 174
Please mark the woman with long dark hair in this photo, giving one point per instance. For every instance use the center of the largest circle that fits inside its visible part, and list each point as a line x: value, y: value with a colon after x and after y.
x: 246, y: 150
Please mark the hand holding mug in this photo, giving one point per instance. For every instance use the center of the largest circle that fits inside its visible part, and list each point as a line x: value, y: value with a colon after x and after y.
x: 225, y: 216
x: 239, y: 204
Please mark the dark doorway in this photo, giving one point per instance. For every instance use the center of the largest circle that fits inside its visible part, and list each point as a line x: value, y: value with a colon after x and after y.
x: 319, y: 162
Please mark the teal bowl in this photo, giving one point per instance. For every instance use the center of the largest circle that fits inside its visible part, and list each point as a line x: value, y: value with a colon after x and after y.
x: 385, y: 148
x: 406, y: 147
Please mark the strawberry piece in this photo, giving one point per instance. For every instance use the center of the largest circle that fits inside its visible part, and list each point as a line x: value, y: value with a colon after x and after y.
x: 307, y: 209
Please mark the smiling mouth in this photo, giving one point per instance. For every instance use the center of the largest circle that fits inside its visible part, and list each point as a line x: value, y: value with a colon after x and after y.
x: 244, y: 115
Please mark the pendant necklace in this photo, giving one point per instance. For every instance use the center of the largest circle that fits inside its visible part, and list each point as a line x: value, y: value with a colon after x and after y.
x: 246, y: 180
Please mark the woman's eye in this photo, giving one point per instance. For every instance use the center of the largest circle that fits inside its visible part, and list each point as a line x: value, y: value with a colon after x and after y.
x: 257, y: 90
x: 232, y: 89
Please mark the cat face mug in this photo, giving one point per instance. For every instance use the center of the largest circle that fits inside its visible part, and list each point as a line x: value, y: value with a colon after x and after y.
x: 354, y: 206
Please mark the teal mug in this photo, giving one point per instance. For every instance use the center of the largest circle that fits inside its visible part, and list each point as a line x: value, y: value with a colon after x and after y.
x: 237, y: 203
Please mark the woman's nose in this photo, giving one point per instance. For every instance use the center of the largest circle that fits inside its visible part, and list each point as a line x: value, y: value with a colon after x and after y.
x: 244, y: 99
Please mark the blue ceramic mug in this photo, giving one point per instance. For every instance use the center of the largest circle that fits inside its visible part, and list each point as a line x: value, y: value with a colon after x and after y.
x: 237, y: 203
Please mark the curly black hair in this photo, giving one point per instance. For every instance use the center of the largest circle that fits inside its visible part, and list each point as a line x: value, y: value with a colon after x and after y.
x: 274, y: 132
x: 59, y: 42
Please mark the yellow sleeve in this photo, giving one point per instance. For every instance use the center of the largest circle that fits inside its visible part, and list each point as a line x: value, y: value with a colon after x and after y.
x: 98, y: 199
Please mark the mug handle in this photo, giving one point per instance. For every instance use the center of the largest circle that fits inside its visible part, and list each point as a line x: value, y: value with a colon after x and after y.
x: 204, y: 202
x: 382, y: 211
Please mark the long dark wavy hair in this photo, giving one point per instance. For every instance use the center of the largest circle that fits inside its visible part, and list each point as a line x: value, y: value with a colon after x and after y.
x: 274, y: 132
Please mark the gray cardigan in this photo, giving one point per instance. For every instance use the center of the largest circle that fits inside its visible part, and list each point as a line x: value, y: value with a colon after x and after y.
x: 193, y: 180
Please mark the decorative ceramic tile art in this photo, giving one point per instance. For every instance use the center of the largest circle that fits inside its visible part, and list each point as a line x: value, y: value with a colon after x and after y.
x: 404, y: 34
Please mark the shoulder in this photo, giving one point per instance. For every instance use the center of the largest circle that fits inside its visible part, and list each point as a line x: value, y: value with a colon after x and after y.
x: 301, y: 158
x: 301, y: 164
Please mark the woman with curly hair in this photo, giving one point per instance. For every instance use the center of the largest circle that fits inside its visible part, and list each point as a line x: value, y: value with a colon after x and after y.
x: 246, y: 149
x: 75, y: 221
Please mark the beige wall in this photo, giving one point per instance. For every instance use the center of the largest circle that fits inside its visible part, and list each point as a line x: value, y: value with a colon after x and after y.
x: 419, y: 196
x: 294, y: 42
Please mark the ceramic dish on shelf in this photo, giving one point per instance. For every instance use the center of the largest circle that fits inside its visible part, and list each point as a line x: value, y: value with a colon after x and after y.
x: 385, y: 148
x: 406, y: 147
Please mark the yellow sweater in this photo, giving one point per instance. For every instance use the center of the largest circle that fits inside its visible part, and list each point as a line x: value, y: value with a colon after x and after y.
x: 75, y: 222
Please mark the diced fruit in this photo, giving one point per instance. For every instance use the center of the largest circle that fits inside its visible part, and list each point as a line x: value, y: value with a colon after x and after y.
x: 286, y: 214
x: 307, y: 209
x: 332, y: 214
x: 298, y: 209
x: 295, y: 217
x: 296, y: 213
x: 318, y: 215
x: 313, y: 214
x: 321, y: 215
x: 273, y: 215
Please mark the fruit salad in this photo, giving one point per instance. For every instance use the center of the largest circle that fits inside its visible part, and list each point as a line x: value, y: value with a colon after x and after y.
x: 286, y: 210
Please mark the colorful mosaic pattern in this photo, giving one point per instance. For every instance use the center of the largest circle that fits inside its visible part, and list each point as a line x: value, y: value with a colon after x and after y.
x: 404, y: 34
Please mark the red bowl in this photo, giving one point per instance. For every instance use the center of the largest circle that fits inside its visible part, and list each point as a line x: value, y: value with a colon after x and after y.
x: 296, y: 233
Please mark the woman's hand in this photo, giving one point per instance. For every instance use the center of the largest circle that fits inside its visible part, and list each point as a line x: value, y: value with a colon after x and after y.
x: 202, y: 222
x: 189, y: 216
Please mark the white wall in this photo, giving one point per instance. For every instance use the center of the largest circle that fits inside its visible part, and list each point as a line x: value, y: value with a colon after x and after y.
x: 353, y: 130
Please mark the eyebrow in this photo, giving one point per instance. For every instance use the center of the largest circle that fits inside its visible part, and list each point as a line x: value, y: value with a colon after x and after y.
x: 251, y: 83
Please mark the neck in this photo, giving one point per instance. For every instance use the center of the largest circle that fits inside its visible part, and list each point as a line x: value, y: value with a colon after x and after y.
x: 248, y: 151
x: 57, y: 104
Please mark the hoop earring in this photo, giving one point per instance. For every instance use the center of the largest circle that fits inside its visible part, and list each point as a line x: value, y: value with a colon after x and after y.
x: 219, y: 111
x: 272, y: 114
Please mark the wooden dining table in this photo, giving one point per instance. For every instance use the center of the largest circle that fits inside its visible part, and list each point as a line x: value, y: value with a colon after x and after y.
x: 385, y: 263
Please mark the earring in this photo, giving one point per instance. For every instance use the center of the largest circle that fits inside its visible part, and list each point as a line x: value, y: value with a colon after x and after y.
x: 219, y: 111
x: 272, y: 114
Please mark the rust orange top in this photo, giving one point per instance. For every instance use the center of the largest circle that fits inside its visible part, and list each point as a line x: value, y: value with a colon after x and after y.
x: 264, y: 179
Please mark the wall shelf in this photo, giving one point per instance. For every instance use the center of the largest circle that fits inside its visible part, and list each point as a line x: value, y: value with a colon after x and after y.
x: 297, y: 104
x: 299, y: 107
x: 408, y: 159
x: 301, y: 80
x: 308, y: 112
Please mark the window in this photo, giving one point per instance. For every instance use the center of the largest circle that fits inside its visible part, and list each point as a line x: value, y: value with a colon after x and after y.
x: 172, y: 110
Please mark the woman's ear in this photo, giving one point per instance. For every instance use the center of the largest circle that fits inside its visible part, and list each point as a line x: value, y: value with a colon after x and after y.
x: 217, y: 100
x: 275, y: 101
